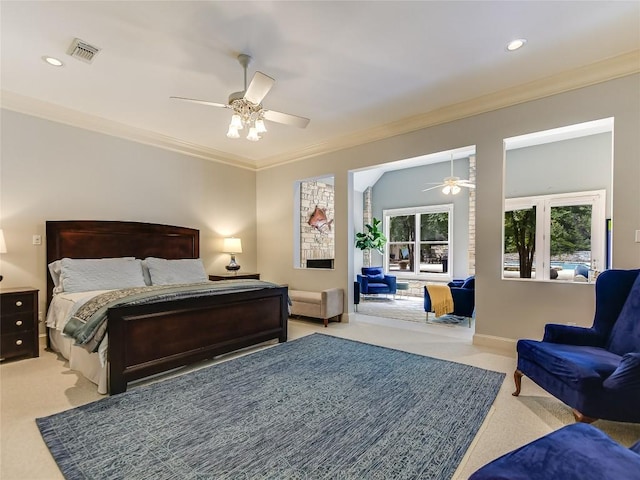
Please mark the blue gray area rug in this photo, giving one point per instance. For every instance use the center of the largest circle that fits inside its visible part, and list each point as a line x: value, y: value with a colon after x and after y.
x: 315, y: 408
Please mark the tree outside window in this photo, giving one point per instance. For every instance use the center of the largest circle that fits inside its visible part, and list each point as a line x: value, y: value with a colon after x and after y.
x: 553, y: 237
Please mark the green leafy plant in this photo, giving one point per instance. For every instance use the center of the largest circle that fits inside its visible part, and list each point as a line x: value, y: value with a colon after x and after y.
x: 372, y: 238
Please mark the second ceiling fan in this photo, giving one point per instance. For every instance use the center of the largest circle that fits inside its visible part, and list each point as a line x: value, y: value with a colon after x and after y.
x: 248, y: 111
x: 451, y: 184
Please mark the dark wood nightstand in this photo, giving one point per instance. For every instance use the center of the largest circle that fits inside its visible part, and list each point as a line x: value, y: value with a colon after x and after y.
x: 235, y: 276
x: 18, y: 323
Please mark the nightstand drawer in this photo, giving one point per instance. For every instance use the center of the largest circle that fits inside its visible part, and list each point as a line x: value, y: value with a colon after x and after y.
x: 17, y: 323
x: 11, y: 303
x: 16, y: 344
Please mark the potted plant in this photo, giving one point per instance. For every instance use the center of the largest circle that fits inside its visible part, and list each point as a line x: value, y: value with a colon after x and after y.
x: 371, y: 239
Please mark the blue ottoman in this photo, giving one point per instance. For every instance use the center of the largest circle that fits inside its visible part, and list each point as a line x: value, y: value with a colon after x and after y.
x: 575, y: 452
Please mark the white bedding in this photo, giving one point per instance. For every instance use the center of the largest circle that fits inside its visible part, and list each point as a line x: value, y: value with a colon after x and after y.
x: 91, y: 365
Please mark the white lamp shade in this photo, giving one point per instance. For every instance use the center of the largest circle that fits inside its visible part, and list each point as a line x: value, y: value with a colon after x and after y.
x: 233, y: 132
x: 3, y: 246
x: 232, y: 245
x: 253, y: 135
x: 455, y: 190
x: 236, y: 121
x: 260, y: 126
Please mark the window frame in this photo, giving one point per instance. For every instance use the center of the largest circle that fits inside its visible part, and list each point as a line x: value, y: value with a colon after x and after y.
x: 544, y: 203
x: 416, y: 212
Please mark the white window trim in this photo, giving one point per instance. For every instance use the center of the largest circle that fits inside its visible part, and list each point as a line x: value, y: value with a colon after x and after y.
x: 543, y: 204
x: 444, y: 208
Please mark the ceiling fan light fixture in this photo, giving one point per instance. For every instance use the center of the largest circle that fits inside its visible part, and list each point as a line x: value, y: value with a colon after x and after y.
x: 260, y: 127
x: 236, y: 122
x: 446, y: 189
x: 455, y: 190
x: 233, y: 132
x: 253, y: 135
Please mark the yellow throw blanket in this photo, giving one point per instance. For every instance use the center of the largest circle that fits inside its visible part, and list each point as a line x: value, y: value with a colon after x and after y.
x: 441, y: 299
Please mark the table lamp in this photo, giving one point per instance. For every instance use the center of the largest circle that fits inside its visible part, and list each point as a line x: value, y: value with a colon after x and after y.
x: 232, y: 246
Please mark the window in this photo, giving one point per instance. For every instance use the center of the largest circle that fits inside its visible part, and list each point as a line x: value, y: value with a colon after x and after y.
x: 419, y: 240
x: 555, y: 237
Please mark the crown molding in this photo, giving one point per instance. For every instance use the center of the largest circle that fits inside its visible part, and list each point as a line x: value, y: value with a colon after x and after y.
x: 609, y: 69
x: 56, y: 113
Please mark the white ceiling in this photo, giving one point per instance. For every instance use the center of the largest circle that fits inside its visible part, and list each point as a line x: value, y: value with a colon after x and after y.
x: 352, y: 67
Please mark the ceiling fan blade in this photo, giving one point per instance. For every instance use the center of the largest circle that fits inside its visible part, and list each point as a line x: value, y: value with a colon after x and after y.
x: 466, y: 183
x: 433, y: 188
x: 203, y: 102
x: 286, y: 118
x: 258, y: 88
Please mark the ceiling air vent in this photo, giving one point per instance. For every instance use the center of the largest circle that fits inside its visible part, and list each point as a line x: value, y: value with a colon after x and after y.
x: 82, y: 50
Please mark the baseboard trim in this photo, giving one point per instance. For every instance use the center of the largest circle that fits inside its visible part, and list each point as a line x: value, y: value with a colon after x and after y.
x: 507, y: 345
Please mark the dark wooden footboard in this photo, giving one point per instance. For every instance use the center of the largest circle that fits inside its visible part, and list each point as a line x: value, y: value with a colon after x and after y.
x: 149, y: 339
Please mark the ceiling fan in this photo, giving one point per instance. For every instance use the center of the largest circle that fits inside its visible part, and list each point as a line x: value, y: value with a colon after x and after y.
x: 451, y: 185
x: 248, y: 111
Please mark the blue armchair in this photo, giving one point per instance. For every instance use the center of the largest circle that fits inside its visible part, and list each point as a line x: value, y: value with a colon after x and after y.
x: 373, y: 280
x: 595, y: 371
x: 464, y: 295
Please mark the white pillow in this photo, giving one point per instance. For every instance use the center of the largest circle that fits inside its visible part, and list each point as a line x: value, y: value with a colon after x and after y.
x: 83, y: 275
x: 55, y: 271
x: 171, y: 272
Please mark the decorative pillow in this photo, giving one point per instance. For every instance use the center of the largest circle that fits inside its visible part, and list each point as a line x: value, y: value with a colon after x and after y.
x: 171, y: 272
x: 368, y: 271
x: 469, y: 283
x: 83, y: 275
x: 378, y: 277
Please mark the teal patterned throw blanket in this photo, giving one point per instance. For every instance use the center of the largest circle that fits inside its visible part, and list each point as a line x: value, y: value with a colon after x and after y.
x: 88, y: 325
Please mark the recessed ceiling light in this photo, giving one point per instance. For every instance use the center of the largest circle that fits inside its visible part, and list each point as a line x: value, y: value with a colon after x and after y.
x: 516, y: 44
x: 53, y: 61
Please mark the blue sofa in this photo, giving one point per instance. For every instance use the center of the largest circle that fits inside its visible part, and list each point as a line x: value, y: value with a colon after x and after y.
x: 575, y: 452
x: 464, y: 297
x: 595, y: 371
x: 374, y: 281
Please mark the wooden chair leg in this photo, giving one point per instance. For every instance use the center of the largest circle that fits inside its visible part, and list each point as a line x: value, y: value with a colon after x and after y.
x: 582, y: 418
x: 517, y: 378
x: 326, y: 322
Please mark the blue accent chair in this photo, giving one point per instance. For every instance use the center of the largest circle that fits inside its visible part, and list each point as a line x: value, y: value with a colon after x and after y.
x: 464, y: 297
x: 574, y: 452
x: 373, y: 281
x: 595, y: 371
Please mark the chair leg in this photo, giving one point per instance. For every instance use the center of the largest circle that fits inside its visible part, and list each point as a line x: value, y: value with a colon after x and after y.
x: 517, y: 378
x: 582, y: 418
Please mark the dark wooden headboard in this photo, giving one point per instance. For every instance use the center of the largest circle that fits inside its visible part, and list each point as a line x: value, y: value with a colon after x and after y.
x: 110, y: 239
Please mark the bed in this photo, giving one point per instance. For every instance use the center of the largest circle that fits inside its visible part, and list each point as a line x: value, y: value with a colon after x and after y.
x: 151, y: 338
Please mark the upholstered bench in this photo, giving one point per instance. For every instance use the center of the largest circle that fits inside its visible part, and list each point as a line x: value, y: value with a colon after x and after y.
x: 325, y: 305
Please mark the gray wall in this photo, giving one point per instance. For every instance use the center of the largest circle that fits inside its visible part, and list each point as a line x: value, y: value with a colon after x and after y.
x: 51, y: 171
x: 578, y: 164
x: 504, y: 309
